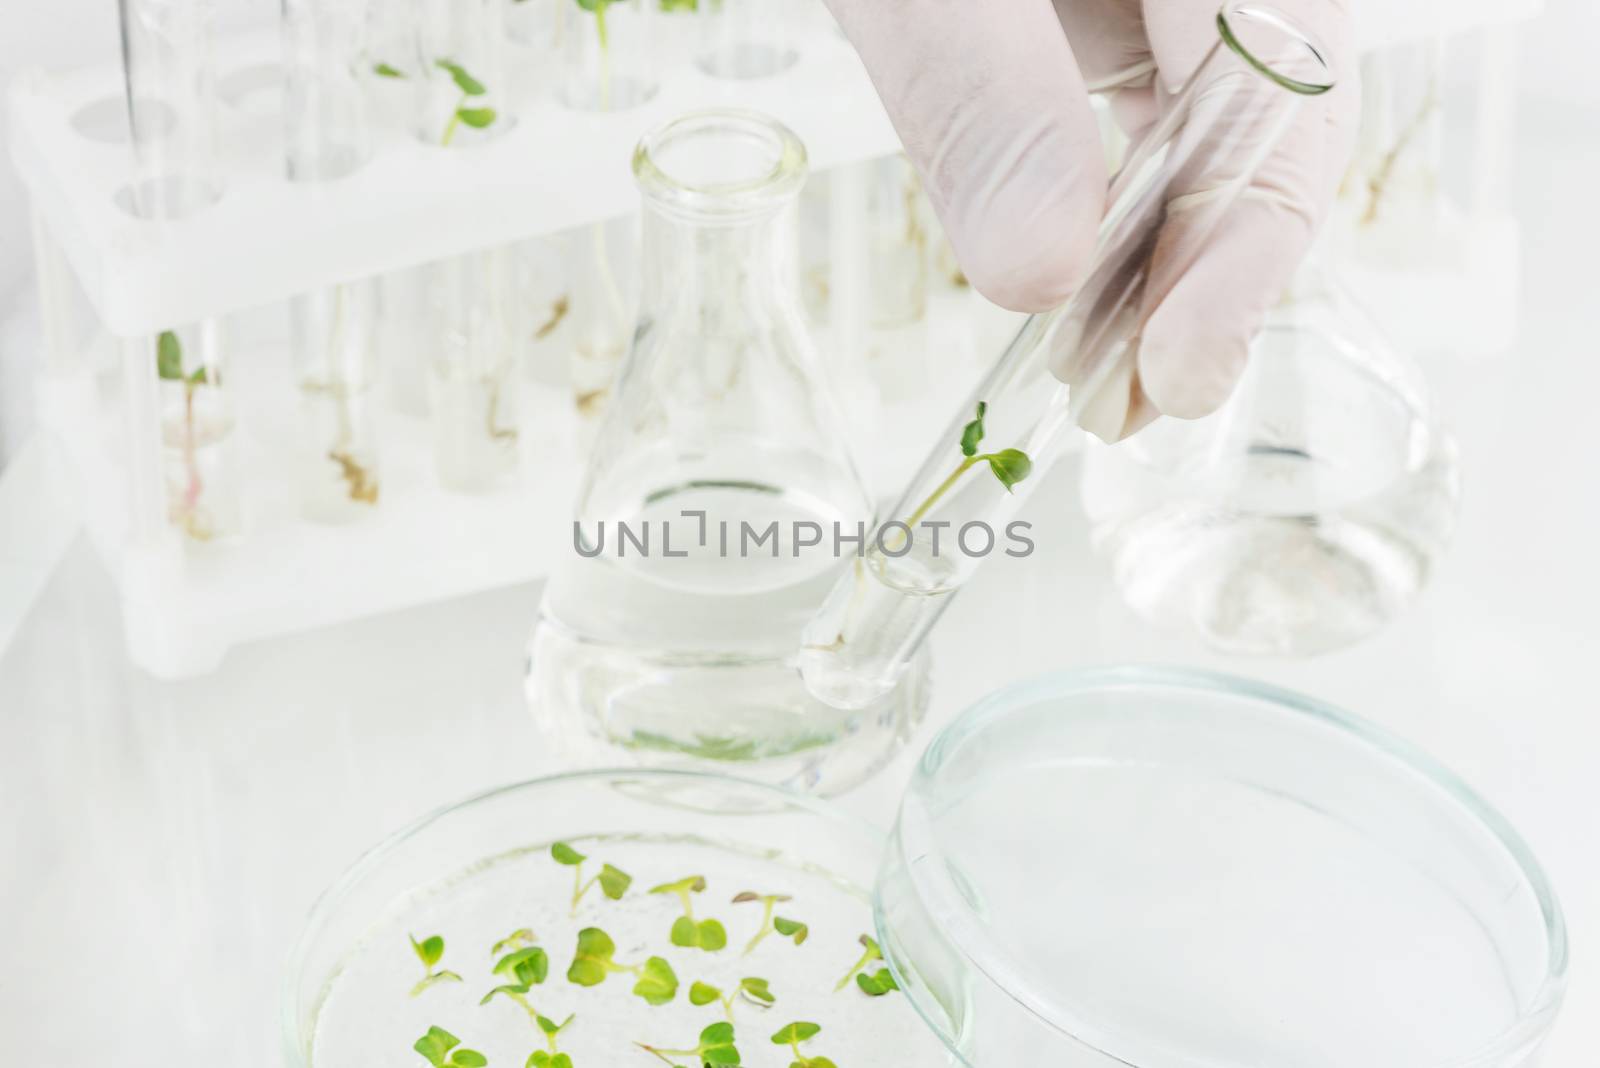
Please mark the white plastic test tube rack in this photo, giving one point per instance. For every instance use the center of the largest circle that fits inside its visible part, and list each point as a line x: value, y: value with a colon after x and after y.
x: 267, y: 239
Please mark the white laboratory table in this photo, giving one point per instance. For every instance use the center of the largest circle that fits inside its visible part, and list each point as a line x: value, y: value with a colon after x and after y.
x: 160, y: 844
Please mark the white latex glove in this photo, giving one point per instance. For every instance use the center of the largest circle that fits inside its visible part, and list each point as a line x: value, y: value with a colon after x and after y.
x: 992, y: 103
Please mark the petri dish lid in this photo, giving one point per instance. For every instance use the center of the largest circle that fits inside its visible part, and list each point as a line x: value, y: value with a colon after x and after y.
x: 1176, y: 869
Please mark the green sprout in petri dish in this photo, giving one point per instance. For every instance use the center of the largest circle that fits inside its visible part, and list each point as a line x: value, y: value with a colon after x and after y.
x: 470, y: 87
x: 522, y: 936
x: 756, y: 991
x: 442, y: 1050
x: 429, y: 951
x: 686, y: 930
x: 655, y: 981
x: 552, y: 1057
x: 877, y: 984
x: 870, y: 953
x: 788, y: 928
x: 1010, y: 466
x: 714, y: 1048
x: 613, y: 882
x: 523, y: 969
x: 792, y: 1035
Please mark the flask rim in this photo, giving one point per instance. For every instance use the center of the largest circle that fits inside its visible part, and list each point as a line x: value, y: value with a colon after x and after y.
x: 769, y: 176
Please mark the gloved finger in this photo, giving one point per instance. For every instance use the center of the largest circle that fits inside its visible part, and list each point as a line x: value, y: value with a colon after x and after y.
x: 1109, y: 39
x: 993, y: 113
x: 1212, y: 280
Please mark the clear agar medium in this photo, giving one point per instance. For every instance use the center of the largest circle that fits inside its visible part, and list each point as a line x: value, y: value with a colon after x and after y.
x: 1170, y: 870
x: 482, y: 873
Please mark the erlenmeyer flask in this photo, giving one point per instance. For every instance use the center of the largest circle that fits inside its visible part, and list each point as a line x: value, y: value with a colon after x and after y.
x: 720, y: 504
x: 1305, y: 513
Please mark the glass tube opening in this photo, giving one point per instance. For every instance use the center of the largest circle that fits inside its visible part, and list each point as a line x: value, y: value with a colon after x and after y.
x: 720, y: 164
x: 1276, y: 46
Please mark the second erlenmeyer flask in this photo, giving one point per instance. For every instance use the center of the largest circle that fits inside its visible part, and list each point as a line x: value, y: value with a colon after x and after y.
x: 720, y: 503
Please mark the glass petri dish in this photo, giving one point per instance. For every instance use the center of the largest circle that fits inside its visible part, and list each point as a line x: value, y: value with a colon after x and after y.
x: 1300, y: 517
x: 1169, y: 869
x: 480, y: 872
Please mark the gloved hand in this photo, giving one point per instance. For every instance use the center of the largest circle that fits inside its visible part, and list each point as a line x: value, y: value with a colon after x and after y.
x: 991, y: 101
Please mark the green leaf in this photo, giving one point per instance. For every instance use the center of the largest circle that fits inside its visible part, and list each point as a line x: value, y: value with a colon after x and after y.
x: 703, y: 993
x: 658, y: 983
x: 791, y: 929
x: 383, y: 70
x: 426, y: 981
x: 592, y: 961
x: 972, y: 433
x: 877, y: 985
x: 565, y: 854
x: 680, y: 5
x: 527, y: 966
x: 477, y: 118
x: 592, y: 5
x: 798, y: 1031
x: 507, y: 990
x: 464, y: 81
x: 521, y: 937
x: 550, y: 1027
x: 756, y: 990
x: 689, y: 884
x: 540, y: 1059
x: 429, y: 950
x: 819, y: 1062
x: 708, y: 935
x: 711, y: 935
x: 169, y: 356
x: 716, y: 1044
x: 1010, y: 466
x: 614, y: 882
x: 436, y: 1045
x: 468, y: 1058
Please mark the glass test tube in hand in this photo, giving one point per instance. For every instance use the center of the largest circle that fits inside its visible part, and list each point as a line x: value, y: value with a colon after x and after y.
x: 1204, y: 149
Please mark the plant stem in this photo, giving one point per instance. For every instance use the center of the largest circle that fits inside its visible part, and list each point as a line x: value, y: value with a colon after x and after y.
x: 766, y: 925
x: 943, y: 488
x: 455, y: 120
x: 605, y: 54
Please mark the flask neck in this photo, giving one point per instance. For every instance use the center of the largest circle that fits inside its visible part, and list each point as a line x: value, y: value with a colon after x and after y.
x: 717, y: 268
